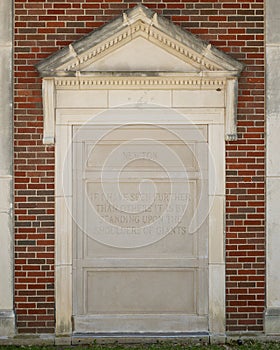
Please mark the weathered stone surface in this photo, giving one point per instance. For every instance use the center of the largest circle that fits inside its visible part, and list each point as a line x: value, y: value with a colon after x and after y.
x: 201, y: 55
x: 5, y: 110
x: 272, y: 315
x: 6, y: 28
x: 272, y: 323
x: 7, y: 318
x: 272, y: 22
x: 273, y: 79
x: 7, y: 323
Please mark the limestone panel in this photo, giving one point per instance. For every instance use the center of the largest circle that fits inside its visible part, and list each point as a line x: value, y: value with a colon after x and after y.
x: 7, y: 317
x: 63, y: 300
x: 140, y: 55
x: 6, y: 22
x: 6, y: 290
x: 217, y: 298
x: 198, y: 98
x: 135, y: 291
x: 85, y: 99
x: 123, y: 98
x: 5, y: 110
x: 216, y: 160
x: 273, y: 161
x: 140, y: 246
x: 273, y: 78
x: 162, y: 230
x: 273, y: 22
x: 273, y: 227
x: 143, y: 154
x: 272, y: 315
x: 216, y: 226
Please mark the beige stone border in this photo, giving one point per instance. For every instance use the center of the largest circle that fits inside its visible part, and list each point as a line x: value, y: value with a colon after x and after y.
x: 65, y: 118
x: 272, y: 314
x: 7, y: 316
x: 229, y: 88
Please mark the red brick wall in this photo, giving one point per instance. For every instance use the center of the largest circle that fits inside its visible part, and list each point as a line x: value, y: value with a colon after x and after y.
x: 44, y: 26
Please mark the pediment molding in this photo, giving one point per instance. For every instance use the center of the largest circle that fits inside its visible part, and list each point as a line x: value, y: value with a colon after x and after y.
x: 194, y: 64
x: 150, y: 33
x: 138, y: 22
x: 136, y: 82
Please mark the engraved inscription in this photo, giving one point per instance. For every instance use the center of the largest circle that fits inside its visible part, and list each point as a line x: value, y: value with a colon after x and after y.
x: 141, y: 216
x: 133, y: 219
x: 135, y: 213
x: 139, y: 185
x: 140, y: 155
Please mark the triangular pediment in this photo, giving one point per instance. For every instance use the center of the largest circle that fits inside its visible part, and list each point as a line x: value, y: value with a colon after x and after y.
x: 139, y: 40
x: 139, y: 55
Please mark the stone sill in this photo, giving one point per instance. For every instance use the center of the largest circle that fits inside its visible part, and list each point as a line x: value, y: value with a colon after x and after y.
x: 202, y: 338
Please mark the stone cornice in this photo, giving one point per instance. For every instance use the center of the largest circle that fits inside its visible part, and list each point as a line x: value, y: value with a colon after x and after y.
x: 133, y: 82
x: 150, y: 33
x: 51, y: 85
x: 138, y: 22
x: 201, y: 66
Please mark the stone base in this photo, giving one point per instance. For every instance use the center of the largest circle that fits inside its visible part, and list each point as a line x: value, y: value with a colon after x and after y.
x: 217, y: 339
x: 7, y: 323
x: 28, y: 340
x: 63, y: 340
x: 139, y: 338
x: 272, y: 321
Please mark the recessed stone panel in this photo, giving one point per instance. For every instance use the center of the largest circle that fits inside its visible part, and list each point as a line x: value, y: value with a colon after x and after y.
x: 125, y: 98
x: 140, y: 55
x: 140, y: 292
x: 156, y: 224
x: 144, y: 155
x: 198, y: 98
x: 141, y: 246
x: 86, y: 99
x: 273, y: 22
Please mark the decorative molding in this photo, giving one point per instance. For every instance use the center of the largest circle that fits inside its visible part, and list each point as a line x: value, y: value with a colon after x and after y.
x: 230, y: 137
x: 134, y: 82
x: 80, y: 83
x: 231, y: 109
x: 138, y: 22
x: 150, y: 33
x: 49, y: 111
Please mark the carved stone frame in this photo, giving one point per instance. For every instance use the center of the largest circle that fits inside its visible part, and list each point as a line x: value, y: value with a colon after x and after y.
x: 66, y: 118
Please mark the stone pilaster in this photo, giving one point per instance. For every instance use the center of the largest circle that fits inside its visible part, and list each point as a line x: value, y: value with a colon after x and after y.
x: 272, y: 315
x: 7, y: 318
